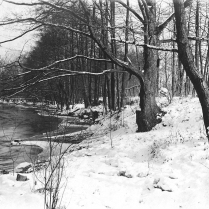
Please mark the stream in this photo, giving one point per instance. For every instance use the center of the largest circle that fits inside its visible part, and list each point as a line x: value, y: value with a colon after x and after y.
x: 18, y: 123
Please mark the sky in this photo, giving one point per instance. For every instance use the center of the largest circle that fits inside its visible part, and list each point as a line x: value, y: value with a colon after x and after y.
x: 12, y: 49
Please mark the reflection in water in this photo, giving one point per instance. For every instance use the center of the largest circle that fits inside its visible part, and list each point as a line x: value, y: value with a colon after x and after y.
x: 21, y: 123
x: 16, y: 122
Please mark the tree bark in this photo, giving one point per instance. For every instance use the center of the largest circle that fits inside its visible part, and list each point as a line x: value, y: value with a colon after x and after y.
x: 123, y: 86
x: 113, y: 50
x: 173, y: 65
x: 147, y: 118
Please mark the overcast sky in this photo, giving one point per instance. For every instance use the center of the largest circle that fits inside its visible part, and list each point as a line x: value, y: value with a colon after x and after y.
x: 12, y: 49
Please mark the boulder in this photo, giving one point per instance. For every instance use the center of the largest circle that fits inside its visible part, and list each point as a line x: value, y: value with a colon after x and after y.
x: 94, y: 115
x: 21, y: 177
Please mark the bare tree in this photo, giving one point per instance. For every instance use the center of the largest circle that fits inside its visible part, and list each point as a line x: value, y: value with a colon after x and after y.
x: 187, y: 59
x: 148, y: 26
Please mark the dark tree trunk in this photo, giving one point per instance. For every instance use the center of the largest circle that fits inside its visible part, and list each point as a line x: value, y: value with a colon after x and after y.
x: 147, y: 117
x: 180, y: 78
x: 113, y: 49
x: 207, y: 58
x: 125, y: 59
x: 173, y: 66
x: 187, y: 59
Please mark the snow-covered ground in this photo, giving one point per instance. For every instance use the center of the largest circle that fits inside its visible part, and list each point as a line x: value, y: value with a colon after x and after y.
x: 166, y: 168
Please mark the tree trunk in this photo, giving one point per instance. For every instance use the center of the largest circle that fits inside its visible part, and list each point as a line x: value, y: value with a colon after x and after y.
x: 180, y: 78
x: 125, y: 59
x: 197, y: 33
x: 147, y: 118
x: 207, y: 58
x: 113, y: 49
x: 173, y: 66
x: 187, y: 59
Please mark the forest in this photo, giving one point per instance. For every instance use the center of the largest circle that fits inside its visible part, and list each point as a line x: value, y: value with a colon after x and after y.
x: 140, y: 69
x: 106, y: 51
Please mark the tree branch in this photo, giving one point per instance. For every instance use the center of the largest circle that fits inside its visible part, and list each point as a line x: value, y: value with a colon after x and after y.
x: 44, y: 23
x: 160, y: 28
x: 130, y: 69
x: 41, y: 3
x: 148, y: 46
x: 45, y: 78
x: 130, y: 9
x: 189, y: 37
x: 163, y: 25
x: 64, y: 60
x: 141, y: 6
x: 2, y: 42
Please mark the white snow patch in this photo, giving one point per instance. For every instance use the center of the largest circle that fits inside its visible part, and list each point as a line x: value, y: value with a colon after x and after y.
x: 118, y: 168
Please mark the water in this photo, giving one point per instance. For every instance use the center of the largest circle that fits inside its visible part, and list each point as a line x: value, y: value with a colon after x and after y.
x: 18, y: 122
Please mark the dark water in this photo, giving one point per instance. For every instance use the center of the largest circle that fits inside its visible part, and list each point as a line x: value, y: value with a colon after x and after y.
x: 18, y: 122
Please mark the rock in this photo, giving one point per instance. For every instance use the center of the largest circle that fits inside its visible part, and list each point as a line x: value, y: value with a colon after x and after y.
x: 163, y: 187
x: 163, y: 184
x: 122, y: 173
x: 129, y: 176
x: 4, y: 172
x: 21, y: 177
x: 94, y: 115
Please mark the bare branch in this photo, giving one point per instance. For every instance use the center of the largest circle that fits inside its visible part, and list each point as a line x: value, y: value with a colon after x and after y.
x: 49, y: 4
x: 189, y: 37
x: 23, y: 87
x: 145, y: 8
x: 64, y: 60
x: 158, y: 48
x: 125, y: 65
x: 29, y: 30
x: 148, y: 46
x: 160, y: 28
x: 142, y: 10
x: 22, y: 3
x: 198, y: 38
x: 163, y: 25
x: 130, y: 9
x: 73, y: 73
x: 44, y: 23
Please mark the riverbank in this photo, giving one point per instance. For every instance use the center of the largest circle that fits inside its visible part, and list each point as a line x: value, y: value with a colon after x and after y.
x: 119, y: 168
x: 16, y: 147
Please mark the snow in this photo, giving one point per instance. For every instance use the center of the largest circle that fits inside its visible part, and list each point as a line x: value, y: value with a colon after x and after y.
x: 22, y: 166
x: 118, y: 168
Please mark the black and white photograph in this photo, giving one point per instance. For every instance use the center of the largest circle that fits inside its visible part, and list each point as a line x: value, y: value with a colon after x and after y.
x: 104, y: 104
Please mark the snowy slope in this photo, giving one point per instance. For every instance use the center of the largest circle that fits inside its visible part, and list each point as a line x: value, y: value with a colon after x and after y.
x: 167, y: 167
